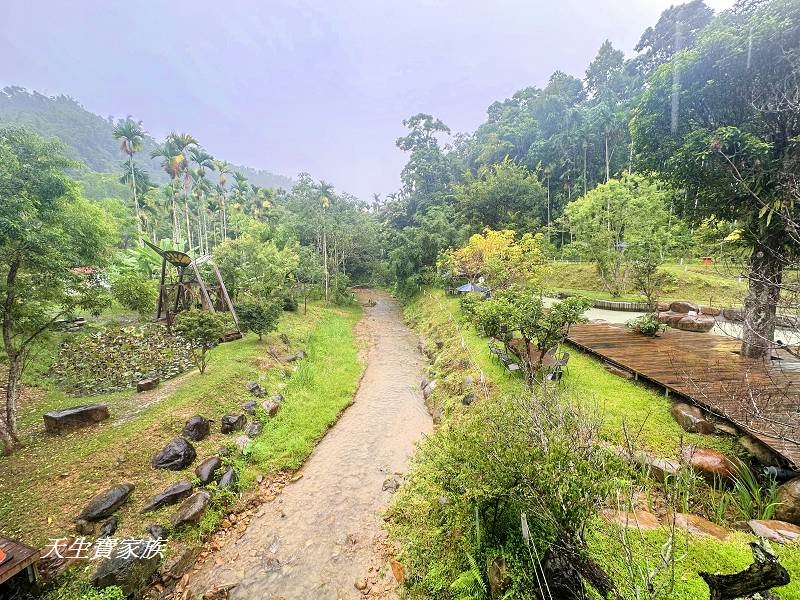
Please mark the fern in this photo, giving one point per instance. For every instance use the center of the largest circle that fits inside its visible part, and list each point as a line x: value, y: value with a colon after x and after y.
x: 469, y: 585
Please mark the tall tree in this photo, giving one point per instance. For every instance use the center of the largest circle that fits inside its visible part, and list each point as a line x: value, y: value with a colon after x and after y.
x: 131, y: 137
x: 722, y: 121
x: 48, y: 238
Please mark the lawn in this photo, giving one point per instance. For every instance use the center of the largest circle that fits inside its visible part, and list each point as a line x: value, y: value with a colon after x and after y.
x: 709, y: 285
x: 644, y: 410
x: 45, y: 484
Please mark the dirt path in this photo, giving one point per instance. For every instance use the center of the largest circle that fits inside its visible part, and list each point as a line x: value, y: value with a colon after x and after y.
x: 323, y: 532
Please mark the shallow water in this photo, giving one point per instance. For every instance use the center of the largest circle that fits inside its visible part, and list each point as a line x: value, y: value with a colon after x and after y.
x: 320, y: 534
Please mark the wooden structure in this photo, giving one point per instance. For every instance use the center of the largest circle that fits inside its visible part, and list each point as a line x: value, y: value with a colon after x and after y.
x: 18, y: 558
x: 188, y: 289
x: 760, y: 397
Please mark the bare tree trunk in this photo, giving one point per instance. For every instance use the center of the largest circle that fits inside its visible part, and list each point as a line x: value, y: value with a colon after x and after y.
x: 765, y: 275
x: 607, y: 161
x: 188, y: 220
x: 325, y: 261
x: 8, y: 428
x: 135, y: 201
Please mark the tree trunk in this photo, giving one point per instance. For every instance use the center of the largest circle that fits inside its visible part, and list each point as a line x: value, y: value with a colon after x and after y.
x: 765, y: 573
x: 8, y: 427
x: 607, y: 161
x: 188, y: 220
x: 325, y: 262
x: 765, y: 275
x: 135, y: 201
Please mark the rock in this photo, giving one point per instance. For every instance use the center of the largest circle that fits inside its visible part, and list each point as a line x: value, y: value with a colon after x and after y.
x: 725, y: 429
x: 131, y: 574
x: 106, y: 503
x: 699, y: 526
x: 250, y: 407
x: 424, y: 383
x: 254, y: 429
x: 84, y: 527
x: 299, y: 356
x: 191, y: 510
x: 713, y: 465
x: 176, y: 455
x: 711, y: 310
x: 499, y: 579
x: 361, y: 584
x: 231, y: 423
x: 789, y: 498
x: 659, y: 468
x: 428, y: 389
x: 171, y: 495
x: 733, y: 314
x: 69, y: 419
x: 468, y: 399
x: 254, y: 388
x: 178, y: 562
x: 157, y: 532
x: 443, y: 500
x: 228, y: 480
x: 150, y: 383
x: 109, y: 527
x: 691, y: 418
x: 397, y: 570
x: 468, y: 382
x: 683, y: 306
x: 205, y: 470
x: 242, y: 441
x: 641, y: 519
x: 277, y: 398
x: 391, y: 484
x: 197, y: 428
x: 270, y: 407
x: 759, y: 451
x: 776, y: 531
x: 696, y: 323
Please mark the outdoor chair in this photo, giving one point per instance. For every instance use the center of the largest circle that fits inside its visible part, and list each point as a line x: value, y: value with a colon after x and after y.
x: 558, y: 368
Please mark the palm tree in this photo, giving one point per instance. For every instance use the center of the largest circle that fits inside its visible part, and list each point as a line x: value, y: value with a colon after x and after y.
x: 223, y: 169
x: 184, y: 142
x: 173, y: 163
x: 131, y: 137
x: 204, y: 161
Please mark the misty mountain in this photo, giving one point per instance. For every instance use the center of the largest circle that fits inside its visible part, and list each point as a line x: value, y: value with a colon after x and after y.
x: 89, y: 137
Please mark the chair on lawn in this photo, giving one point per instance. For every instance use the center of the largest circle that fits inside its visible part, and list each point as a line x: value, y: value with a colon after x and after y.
x: 557, y: 370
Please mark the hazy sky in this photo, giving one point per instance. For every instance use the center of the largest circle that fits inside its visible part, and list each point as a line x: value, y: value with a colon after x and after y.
x: 298, y: 86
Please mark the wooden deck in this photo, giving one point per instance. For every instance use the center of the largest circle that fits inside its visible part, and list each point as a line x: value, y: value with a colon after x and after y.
x: 759, y: 397
x: 22, y: 557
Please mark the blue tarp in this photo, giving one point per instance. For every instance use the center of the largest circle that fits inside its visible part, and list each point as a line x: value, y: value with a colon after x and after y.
x: 471, y: 287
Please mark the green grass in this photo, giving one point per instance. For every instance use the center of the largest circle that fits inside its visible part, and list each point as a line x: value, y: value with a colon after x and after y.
x: 646, y: 413
x: 644, y: 410
x: 45, y: 484
x: 708, y: 285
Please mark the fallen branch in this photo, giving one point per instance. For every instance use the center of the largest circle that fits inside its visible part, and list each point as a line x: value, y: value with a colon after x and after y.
x: 765, y: 573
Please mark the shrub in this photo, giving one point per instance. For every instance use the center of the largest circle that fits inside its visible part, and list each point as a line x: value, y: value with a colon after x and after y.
x: 647, y: 324
x: 202, y: 330
x: 135, y: 292
x: 259, y: 317
x: 290, y: 303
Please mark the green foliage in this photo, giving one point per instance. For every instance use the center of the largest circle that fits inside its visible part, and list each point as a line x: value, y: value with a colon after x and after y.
x: 752, y: 498
x: 648, y: 278
x: 253, y: 265
x: 74, y: 587
x: 469, y: 585
x: 135, y: 293
x: 646, y: 324
x: 203, y: 330
x: 115, y: 358
x: 503, y: 196
x: 259, y: 317
x: 614, y: 219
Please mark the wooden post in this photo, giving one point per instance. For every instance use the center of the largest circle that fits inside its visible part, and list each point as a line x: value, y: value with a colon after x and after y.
x: 227, y: 298
x: 203, y: 290
x: 161, y: 286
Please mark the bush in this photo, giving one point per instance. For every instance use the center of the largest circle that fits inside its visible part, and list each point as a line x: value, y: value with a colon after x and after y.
x: 647, y: 324
x: 74, y: 587
x: 136, y: 293
x: 290, y: 304
x: 259, y: 317
x: 203, y: 330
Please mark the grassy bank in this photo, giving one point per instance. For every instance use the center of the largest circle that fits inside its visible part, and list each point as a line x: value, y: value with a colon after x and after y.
x: 709, y: 285
x: 46, y: 484
x: 447, y: 543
